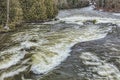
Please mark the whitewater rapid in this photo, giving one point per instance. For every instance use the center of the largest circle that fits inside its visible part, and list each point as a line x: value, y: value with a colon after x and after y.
x: 46, y: 46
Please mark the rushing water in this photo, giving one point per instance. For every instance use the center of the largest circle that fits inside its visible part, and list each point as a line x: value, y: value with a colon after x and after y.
x: 38, y: 49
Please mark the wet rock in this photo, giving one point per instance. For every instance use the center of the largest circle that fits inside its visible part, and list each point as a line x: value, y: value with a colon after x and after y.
x: 89, y: 22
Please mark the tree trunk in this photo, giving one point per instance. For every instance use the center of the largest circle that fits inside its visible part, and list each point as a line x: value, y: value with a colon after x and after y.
x: 8, y: 11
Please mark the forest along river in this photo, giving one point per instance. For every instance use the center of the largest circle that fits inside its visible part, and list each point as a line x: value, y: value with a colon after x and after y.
x: 87, y: 51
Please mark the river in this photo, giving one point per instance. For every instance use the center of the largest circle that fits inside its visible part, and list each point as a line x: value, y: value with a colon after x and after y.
x: 82, y: 45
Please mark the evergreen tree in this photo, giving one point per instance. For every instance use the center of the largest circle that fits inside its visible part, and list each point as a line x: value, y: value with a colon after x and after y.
x: 38, y: 10
x: 3, y: 12
x: 51, y: 9
x: 15, y: 13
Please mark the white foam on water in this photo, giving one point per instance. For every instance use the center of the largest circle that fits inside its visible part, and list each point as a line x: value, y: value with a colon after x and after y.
x: 109, y: 70
x: 88, y: 56
x: 117, y: 14
x: 27, y: 44
x: 25, y: 36
x: 60, y: 55
x: 60, y: 51
x: 102, y: 68
x: 12, y: 59
x: 25, y: 79
x: 12, y: 73
x: 53, y: 47
x: 78, y: 19
x: 13, y: 56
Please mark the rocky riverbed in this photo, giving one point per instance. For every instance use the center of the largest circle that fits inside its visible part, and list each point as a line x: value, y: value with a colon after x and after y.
x: 82, y: 45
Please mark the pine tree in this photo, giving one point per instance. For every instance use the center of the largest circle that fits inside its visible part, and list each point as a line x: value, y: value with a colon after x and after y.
x: 3, y: 12
x: 38, y: 10
x: 51, y: 9
x: 13, y: 12
x: 16, y: 13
